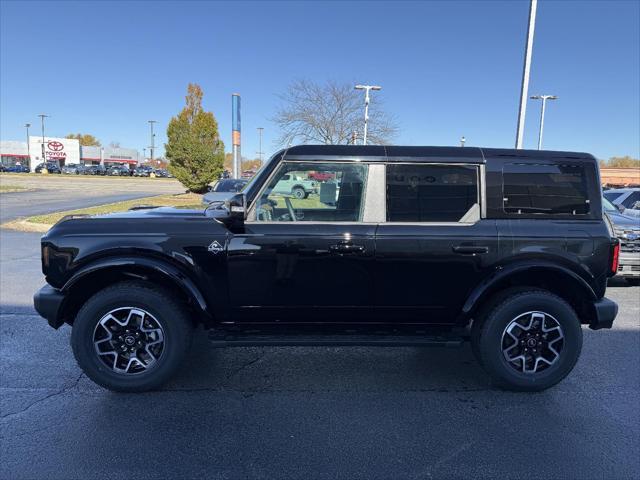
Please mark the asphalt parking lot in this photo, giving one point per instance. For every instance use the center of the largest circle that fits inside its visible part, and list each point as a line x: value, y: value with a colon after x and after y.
x: 67, y: 192
x: 307, y: 412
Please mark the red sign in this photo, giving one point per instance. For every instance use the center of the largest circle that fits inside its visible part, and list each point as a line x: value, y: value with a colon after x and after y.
x: 54, y: 150
x: 55, y: 146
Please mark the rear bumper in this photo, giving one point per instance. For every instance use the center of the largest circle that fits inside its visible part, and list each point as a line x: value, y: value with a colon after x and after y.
x: 629, y: 264
x: 47, y: 302
x: 605, y: 313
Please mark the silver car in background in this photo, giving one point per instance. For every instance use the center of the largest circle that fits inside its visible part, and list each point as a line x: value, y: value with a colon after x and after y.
x: 627, y: 229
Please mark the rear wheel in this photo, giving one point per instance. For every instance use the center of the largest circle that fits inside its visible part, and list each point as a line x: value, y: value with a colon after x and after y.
x: 299, y: 193
x: 530, y: 341
x: 131, y: 337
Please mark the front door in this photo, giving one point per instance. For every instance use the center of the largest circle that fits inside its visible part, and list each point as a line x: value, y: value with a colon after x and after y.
x: 305, y: 254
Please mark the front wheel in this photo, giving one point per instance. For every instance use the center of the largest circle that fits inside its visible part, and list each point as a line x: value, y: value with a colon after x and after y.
x: 530, y: 341
x: 131, y: 337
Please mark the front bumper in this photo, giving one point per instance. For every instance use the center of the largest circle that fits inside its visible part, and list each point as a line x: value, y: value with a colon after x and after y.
x: 47, y: 302
x: 605, y: 313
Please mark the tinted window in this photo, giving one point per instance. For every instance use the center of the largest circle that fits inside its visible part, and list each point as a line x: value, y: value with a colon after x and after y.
x: 431, y: 193
x: 632, y: 201
x: 550, y: 189
x: 229, y: 185
x: 294, y: 191
x: 611, y: 196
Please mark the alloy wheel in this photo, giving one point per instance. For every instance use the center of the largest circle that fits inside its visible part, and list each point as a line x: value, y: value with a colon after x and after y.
x: 128, y: 340
x: 532, y: 342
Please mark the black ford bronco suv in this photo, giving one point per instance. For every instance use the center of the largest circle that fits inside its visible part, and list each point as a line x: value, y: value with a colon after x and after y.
x: 397, y: 246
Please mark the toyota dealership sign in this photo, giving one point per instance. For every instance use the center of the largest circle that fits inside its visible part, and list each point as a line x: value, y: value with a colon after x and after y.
x: 58, y: 150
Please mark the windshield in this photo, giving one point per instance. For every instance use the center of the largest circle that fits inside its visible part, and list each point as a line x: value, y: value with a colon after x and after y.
x: 608, y: 206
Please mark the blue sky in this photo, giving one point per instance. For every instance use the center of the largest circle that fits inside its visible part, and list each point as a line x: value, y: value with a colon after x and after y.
x: 447, y: 68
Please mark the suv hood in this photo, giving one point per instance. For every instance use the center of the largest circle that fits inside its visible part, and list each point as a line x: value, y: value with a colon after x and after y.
x: 620, y: 220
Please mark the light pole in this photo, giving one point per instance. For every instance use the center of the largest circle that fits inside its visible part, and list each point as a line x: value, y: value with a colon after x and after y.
x: 260, y: 129
x: 144, y: 154
x: 544, y: 99
x: 366, y: 89
x: 44, y: 162
x: 462, y: 140
x: 524, y: 89
x: 151, y: 122
x: 27, y: 125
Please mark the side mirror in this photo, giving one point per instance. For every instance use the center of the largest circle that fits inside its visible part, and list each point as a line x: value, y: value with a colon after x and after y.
x: 236, y: 206
x: 620, y: 208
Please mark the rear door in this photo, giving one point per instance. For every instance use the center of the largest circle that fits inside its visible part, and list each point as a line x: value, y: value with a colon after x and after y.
x: 435, y: 246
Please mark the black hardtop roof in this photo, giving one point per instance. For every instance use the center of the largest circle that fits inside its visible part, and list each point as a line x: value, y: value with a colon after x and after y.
x: 425, y: 153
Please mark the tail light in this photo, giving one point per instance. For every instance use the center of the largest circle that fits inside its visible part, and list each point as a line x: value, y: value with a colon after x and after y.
x: 615, y: 257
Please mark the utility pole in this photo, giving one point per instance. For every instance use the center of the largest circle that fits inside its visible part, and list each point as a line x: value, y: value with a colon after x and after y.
x: 151, y: 122
x: 260, y: 129
x: 27, y: 125
x: 544, y: 99
x: 44, y: 161
x: 366, y: 89
x: 524, y: 90
x: 462, y: 140
x: 235, y: 135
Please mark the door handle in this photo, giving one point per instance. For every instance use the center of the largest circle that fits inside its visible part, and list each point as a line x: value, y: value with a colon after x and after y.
x: 470, y: 249
x: 346, y: 247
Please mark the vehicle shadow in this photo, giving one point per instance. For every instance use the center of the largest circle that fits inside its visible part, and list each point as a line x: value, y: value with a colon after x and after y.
x: 309, y: 369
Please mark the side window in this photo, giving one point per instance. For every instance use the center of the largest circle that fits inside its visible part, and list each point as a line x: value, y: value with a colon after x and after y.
x: 545, y: 189
x: 611, y: 196
x: 313, y: 192
x: 632, y: 201
x: 432, y: 193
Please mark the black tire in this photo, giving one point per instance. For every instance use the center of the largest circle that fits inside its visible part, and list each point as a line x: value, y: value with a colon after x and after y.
x: 634, y: 282
x: 169, y: 314
x: 490, y: 343
x: 299, y: 193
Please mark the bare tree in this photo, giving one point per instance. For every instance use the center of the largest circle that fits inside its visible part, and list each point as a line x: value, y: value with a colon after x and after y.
x: 330, y: 114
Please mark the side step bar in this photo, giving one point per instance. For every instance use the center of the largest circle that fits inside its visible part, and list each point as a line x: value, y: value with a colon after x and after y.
x: 248, y: 340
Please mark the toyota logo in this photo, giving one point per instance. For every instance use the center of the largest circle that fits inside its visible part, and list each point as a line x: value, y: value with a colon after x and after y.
x: 55, y: 146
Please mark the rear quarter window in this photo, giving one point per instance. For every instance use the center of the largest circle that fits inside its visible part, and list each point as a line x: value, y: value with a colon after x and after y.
x: 551, y: 189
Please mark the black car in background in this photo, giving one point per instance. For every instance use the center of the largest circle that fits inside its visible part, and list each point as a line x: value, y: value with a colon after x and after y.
x: 162, y: 173
x: 94, y: 170
x: 51, y: 168
x: 143, y: 171
x: 118, y: 171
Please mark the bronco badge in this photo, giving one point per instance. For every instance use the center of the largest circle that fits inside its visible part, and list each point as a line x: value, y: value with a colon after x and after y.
x: 215, y: 247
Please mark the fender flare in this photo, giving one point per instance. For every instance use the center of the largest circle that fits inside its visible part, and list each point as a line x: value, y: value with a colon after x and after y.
x: 507, y: 271
x: 167, y: 270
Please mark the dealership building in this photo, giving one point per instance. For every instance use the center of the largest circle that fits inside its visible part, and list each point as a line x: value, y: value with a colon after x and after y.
x: 63, y: 151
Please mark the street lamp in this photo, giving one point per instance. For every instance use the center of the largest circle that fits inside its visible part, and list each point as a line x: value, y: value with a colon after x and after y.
x: 260, y: 130
x: 151, y: 122
x: 366, y: 89
x: 544, y: 99
x: 42, y: 117
x: 27, y: 125
x: 462, y: 140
